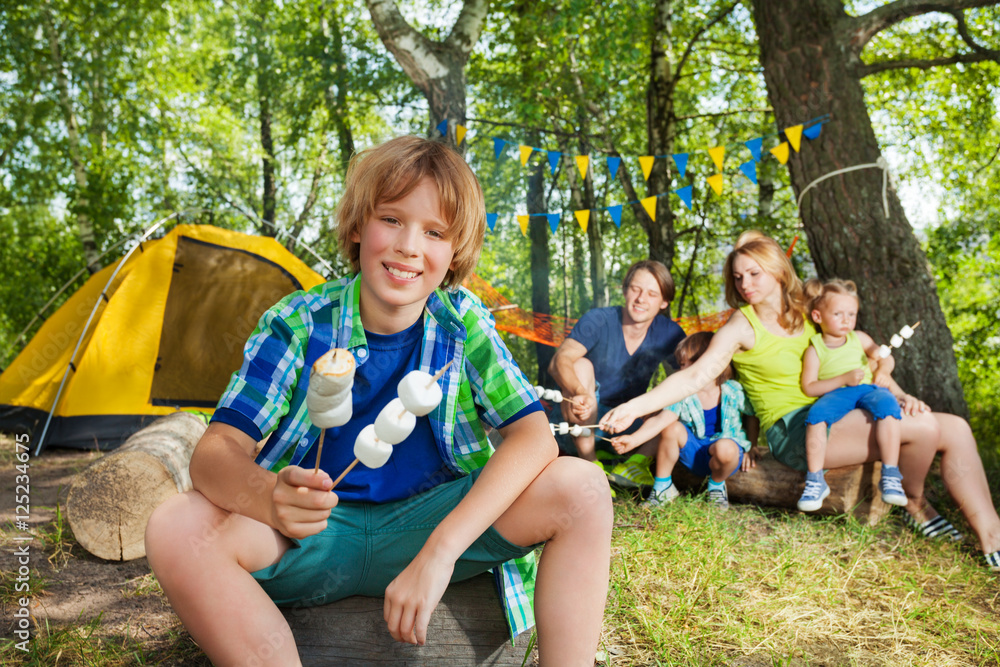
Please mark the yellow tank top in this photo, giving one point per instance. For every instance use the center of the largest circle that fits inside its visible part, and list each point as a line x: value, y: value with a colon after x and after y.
x: 771, y: 372
x: 839, y: 360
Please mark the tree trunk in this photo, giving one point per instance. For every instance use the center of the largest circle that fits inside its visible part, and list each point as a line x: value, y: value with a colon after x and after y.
x: 805, y: 55
x: 660, y: 132
x: 538, y: 231
x: 264, y: 93
x: 109, y: 503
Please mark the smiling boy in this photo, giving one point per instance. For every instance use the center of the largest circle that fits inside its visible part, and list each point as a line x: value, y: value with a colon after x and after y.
x: 258, y: 533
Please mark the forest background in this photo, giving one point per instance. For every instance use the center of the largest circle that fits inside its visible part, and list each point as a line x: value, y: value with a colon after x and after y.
x: 114, y: 115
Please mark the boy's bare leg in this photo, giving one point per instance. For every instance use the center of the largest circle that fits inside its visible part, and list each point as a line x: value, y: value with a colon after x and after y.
x: 887, y: 436
x: 568, y: 506
x: 725, y: 458
x: 668, y: 450
x: 202, y: 556
x: 815, y: 446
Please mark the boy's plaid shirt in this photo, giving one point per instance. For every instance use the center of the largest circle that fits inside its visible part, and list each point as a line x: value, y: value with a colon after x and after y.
x: 483, y: 384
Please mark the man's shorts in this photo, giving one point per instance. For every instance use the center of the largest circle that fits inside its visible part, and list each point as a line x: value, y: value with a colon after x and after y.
x: 695, y: 456
x: 365, y: 546
x: 877, y: 401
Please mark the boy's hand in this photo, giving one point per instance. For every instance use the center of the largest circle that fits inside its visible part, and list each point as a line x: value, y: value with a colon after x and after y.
x: 413, y: 595
x: 882, y: 379
x: 853, y: 378
x: 301, y: 502
x: 624, y: 443
x: 750, y: 458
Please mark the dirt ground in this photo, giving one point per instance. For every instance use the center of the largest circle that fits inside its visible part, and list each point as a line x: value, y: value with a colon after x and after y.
x: 75, y: 586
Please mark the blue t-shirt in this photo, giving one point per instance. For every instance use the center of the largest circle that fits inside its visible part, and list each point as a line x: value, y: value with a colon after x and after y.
x: 623, y: 376
x: 713, y: 420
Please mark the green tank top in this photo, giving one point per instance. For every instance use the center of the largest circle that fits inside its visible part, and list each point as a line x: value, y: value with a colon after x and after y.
x: 771, y: 372
x: 839, y: 360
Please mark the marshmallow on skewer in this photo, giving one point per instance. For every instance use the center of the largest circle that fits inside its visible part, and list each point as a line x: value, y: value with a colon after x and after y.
x: 394, y: 423
x: 370, y: 450
x: 539, y: 390
x: 906, y: 332
x: 419, y: 392
x: 896, y: 340
x: 884, y: 351
x: 563, y: 428
x: 330, y: 381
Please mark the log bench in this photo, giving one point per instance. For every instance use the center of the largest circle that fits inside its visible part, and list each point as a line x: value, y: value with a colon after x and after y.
x: 853, y: 489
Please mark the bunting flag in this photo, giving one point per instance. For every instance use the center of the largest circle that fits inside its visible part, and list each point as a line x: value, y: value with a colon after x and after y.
x: 582, y: 162
x: 525, y: 154
x: 681, y: 160
x: 491, y: 220
x: 553, y: 221
x: 442, y: 127
x: 749, y: 169
x: 616, y: 215
x: 522, y: 220
x: 717, y: 153
x: 554, y: 160
x: 649, y: 203
x: 813, y: 132
x: 582, y: 217
x: 716, y: 182
x: 686, y: 194
x: 781, y: 152
x: 613, y: 163
x: 755, y: 146
x: 498, y: 145
x: 459, y: 133
x: 646, y: 162
x: 794, y: 135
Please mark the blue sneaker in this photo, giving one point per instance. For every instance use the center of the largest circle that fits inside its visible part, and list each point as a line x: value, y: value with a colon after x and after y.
x: 815, y: 492
x: 719, y: 497
x: 891, y: 486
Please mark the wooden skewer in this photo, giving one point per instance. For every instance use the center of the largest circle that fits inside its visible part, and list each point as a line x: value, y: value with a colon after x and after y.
x: 319, y: 449
x: 916, y: 325
x: 438, y: 375
x: 346, y: 470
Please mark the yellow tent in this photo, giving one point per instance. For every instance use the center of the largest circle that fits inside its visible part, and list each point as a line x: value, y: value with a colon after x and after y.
x: 167, y: 334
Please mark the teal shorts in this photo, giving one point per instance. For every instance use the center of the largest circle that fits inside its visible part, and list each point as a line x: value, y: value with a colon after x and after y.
x: 365, y: 546
x: 787, y: 439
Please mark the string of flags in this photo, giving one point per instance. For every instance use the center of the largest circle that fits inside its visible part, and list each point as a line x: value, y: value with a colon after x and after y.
x: 810, y: 129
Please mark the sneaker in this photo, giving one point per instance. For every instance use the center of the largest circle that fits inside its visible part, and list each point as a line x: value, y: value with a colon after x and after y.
x: 933, y: 528
x: 891, y: 486
x: 993, y: 561
x: 720, y: 497
x: 813, y: 495
x: 604, y: 470
x: 633, y: 473
x: 665, y: 496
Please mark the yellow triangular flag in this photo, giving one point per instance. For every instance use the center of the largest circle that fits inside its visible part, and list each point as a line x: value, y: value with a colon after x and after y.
x: 525, y: 154
x: 794, y: 135
x: 646, y: 162
x: 522, y: 220
x: 583, y: 217
x: 459, y: 133
x: 716, y: 182
x: 717, y: 153
x: 581, y: 163
x: 781, y: 152
x: 649, y: 203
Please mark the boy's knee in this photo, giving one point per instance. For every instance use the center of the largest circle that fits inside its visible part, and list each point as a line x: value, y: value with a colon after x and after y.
x: 179, y: 524
x: 676, y: 432
x: 577, y: 485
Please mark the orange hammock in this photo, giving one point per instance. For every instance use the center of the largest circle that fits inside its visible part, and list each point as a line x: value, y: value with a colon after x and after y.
x: 553, y: 329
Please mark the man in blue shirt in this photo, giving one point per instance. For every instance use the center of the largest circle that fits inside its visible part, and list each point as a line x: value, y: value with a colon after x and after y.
x: 612, y: 353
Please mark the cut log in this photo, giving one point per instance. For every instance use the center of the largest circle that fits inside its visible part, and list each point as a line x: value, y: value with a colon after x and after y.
x: 467, y: 628
x: 853, y: 489
x: 110, y: 502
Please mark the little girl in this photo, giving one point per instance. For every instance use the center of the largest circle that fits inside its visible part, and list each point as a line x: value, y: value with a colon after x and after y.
x: 836, y: 367
x: 704, y: 431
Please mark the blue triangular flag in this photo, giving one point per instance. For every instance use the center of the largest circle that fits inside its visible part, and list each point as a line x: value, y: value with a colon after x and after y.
x: 553, y: 221
x: 498, y: 145
x: 681, y: 160
x: 750, y: 170
x: 491, y: 220
x: 613, y: 163
x: 442, y: 127
x: 755, y: 146
x: 813, y: 132
x: 686, y: 195
x: 554, y: 161
x: 616, y: 215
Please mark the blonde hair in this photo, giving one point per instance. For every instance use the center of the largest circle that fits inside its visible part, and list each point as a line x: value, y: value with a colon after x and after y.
x: 691, y: 348
x: 772, y: 259
x: 390, y: 171
x: 817, y: 291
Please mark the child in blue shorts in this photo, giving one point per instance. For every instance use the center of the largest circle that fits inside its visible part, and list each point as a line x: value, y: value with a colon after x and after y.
x: 705, y: 431
x: 837, y: 367
x: 262, y: 530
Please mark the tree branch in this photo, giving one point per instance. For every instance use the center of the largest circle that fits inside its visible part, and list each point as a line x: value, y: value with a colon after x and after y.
x: 988, y: 162
x: 701, y: 31
x: 864, y: 70
x: 715, y: 114
x: 963, y: 31
x: 861, y: 29
x: 468, y: 26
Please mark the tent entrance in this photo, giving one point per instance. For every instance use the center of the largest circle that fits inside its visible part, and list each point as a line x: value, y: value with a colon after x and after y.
x: 209, y: 315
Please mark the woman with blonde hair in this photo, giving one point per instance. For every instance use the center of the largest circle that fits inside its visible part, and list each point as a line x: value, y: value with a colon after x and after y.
x: 765, y: 340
